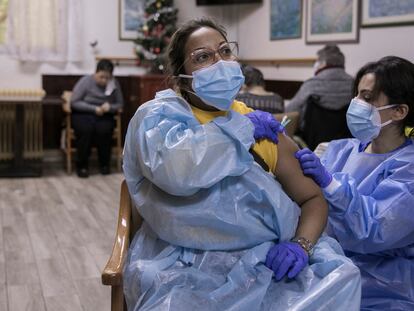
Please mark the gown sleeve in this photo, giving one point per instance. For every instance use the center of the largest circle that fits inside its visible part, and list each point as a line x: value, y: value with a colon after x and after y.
x: 376, y: 222
x: 178, y: 154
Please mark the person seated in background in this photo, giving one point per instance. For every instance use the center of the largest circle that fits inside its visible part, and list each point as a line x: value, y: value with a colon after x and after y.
x: 331, y: 89
x: 95, y: 99
x: 200, y: 168
x: 369, y: 183
x: 254, y: 95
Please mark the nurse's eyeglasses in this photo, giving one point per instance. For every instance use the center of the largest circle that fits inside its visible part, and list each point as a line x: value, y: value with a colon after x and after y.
x: 205, y: 57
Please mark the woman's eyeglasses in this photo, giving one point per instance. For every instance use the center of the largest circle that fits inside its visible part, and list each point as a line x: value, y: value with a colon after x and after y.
x: 205, y: 57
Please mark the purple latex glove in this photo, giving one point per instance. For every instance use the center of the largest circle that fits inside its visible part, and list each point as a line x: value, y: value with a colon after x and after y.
x: 312, y: 166
x: 286, y: 257
x: 265, y: 125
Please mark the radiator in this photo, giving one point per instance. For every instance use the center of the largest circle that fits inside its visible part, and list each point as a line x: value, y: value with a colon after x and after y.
x: 7, y: 121
x: 21, y: 135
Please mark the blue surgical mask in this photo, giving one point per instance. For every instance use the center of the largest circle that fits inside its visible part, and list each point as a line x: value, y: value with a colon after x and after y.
x: 364, y: 120
x: 218, y: 84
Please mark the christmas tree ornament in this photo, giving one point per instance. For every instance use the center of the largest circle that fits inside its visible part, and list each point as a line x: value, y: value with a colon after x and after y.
x: 155, y: 33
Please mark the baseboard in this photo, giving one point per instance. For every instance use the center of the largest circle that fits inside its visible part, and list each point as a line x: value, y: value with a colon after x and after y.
x: 57, y: 156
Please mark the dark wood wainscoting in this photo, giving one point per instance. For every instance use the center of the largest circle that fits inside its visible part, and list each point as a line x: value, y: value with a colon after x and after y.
x: 286, y: 89
x: 136, y: 91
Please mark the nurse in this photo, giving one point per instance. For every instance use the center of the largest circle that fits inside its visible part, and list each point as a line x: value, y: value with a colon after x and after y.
x: 369, y: 183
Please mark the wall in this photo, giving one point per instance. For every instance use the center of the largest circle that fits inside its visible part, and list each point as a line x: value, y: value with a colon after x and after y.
x: 100, y: 23
x: 249, y: 24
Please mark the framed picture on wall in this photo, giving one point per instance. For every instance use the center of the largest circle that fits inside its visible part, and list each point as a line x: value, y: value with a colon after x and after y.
x: 285, y: 19
x: 332, y: 21
x: 3, y: 21
x: 382, y: 13
x: 131, y: 16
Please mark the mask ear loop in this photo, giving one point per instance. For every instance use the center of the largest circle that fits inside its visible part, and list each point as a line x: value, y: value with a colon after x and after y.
x: 184, y: 88
x: 181, y: 75
x: 383, y: 108
x: 386, y: 107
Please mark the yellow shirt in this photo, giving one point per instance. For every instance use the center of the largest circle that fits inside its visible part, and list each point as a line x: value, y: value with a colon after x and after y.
x: 265, y: 148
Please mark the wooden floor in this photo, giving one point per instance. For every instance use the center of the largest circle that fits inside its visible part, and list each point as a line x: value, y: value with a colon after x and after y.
x: 56, y: 235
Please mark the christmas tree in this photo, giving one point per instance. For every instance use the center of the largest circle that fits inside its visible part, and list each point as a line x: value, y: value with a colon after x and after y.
x: 155, y: 33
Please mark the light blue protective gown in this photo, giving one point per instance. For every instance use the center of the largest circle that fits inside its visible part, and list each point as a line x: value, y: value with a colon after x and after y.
x: 372, y: 216
x: 211, y: 214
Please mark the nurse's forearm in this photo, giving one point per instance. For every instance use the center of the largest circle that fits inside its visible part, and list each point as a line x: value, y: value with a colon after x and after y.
x: 313, y: 218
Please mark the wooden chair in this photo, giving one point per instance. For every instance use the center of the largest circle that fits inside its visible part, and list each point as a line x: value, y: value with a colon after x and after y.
x: 70, y: 134
x: 129, y: 222
x: 323, y: 124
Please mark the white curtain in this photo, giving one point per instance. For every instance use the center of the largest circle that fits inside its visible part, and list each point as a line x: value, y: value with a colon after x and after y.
x: 45, y: 30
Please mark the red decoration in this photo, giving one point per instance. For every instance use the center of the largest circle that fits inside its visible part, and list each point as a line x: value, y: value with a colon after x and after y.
x: 157, y: 25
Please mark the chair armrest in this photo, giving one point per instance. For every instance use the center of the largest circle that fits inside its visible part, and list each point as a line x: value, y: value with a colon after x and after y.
x: 118, y: 115
x: 112, y: 273
x: 66, y: 102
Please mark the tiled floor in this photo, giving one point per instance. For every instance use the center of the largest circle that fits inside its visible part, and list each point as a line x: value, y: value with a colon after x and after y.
x: 56, y: 235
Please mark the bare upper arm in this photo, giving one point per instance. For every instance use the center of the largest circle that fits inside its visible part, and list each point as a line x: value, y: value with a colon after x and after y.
x: 289, y: 173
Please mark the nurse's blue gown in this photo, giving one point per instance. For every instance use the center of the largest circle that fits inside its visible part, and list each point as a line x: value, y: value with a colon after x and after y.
x: 371, y: 214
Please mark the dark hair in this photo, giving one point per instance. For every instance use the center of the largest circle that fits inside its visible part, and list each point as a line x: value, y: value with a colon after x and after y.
x: 331, y: 55
x: 252, y: 76
x: 105, y: 65
x: 176, y: 48
x: 394, y: 76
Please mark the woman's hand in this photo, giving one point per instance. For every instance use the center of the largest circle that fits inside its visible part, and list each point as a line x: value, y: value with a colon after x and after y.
x: 106, y: 107
x: 265, y: 125
x: 312, y: 166
x: 286, y: 258
x: 99, y: 111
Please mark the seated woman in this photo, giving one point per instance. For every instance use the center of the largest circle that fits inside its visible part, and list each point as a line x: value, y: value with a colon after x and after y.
x: 95, y: 100
x: 254, y: 94
x: 217, y: 225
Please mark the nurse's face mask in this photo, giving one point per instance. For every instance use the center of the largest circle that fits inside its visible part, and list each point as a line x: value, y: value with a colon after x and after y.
x: 364, y: 120
x: 217, y: 82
